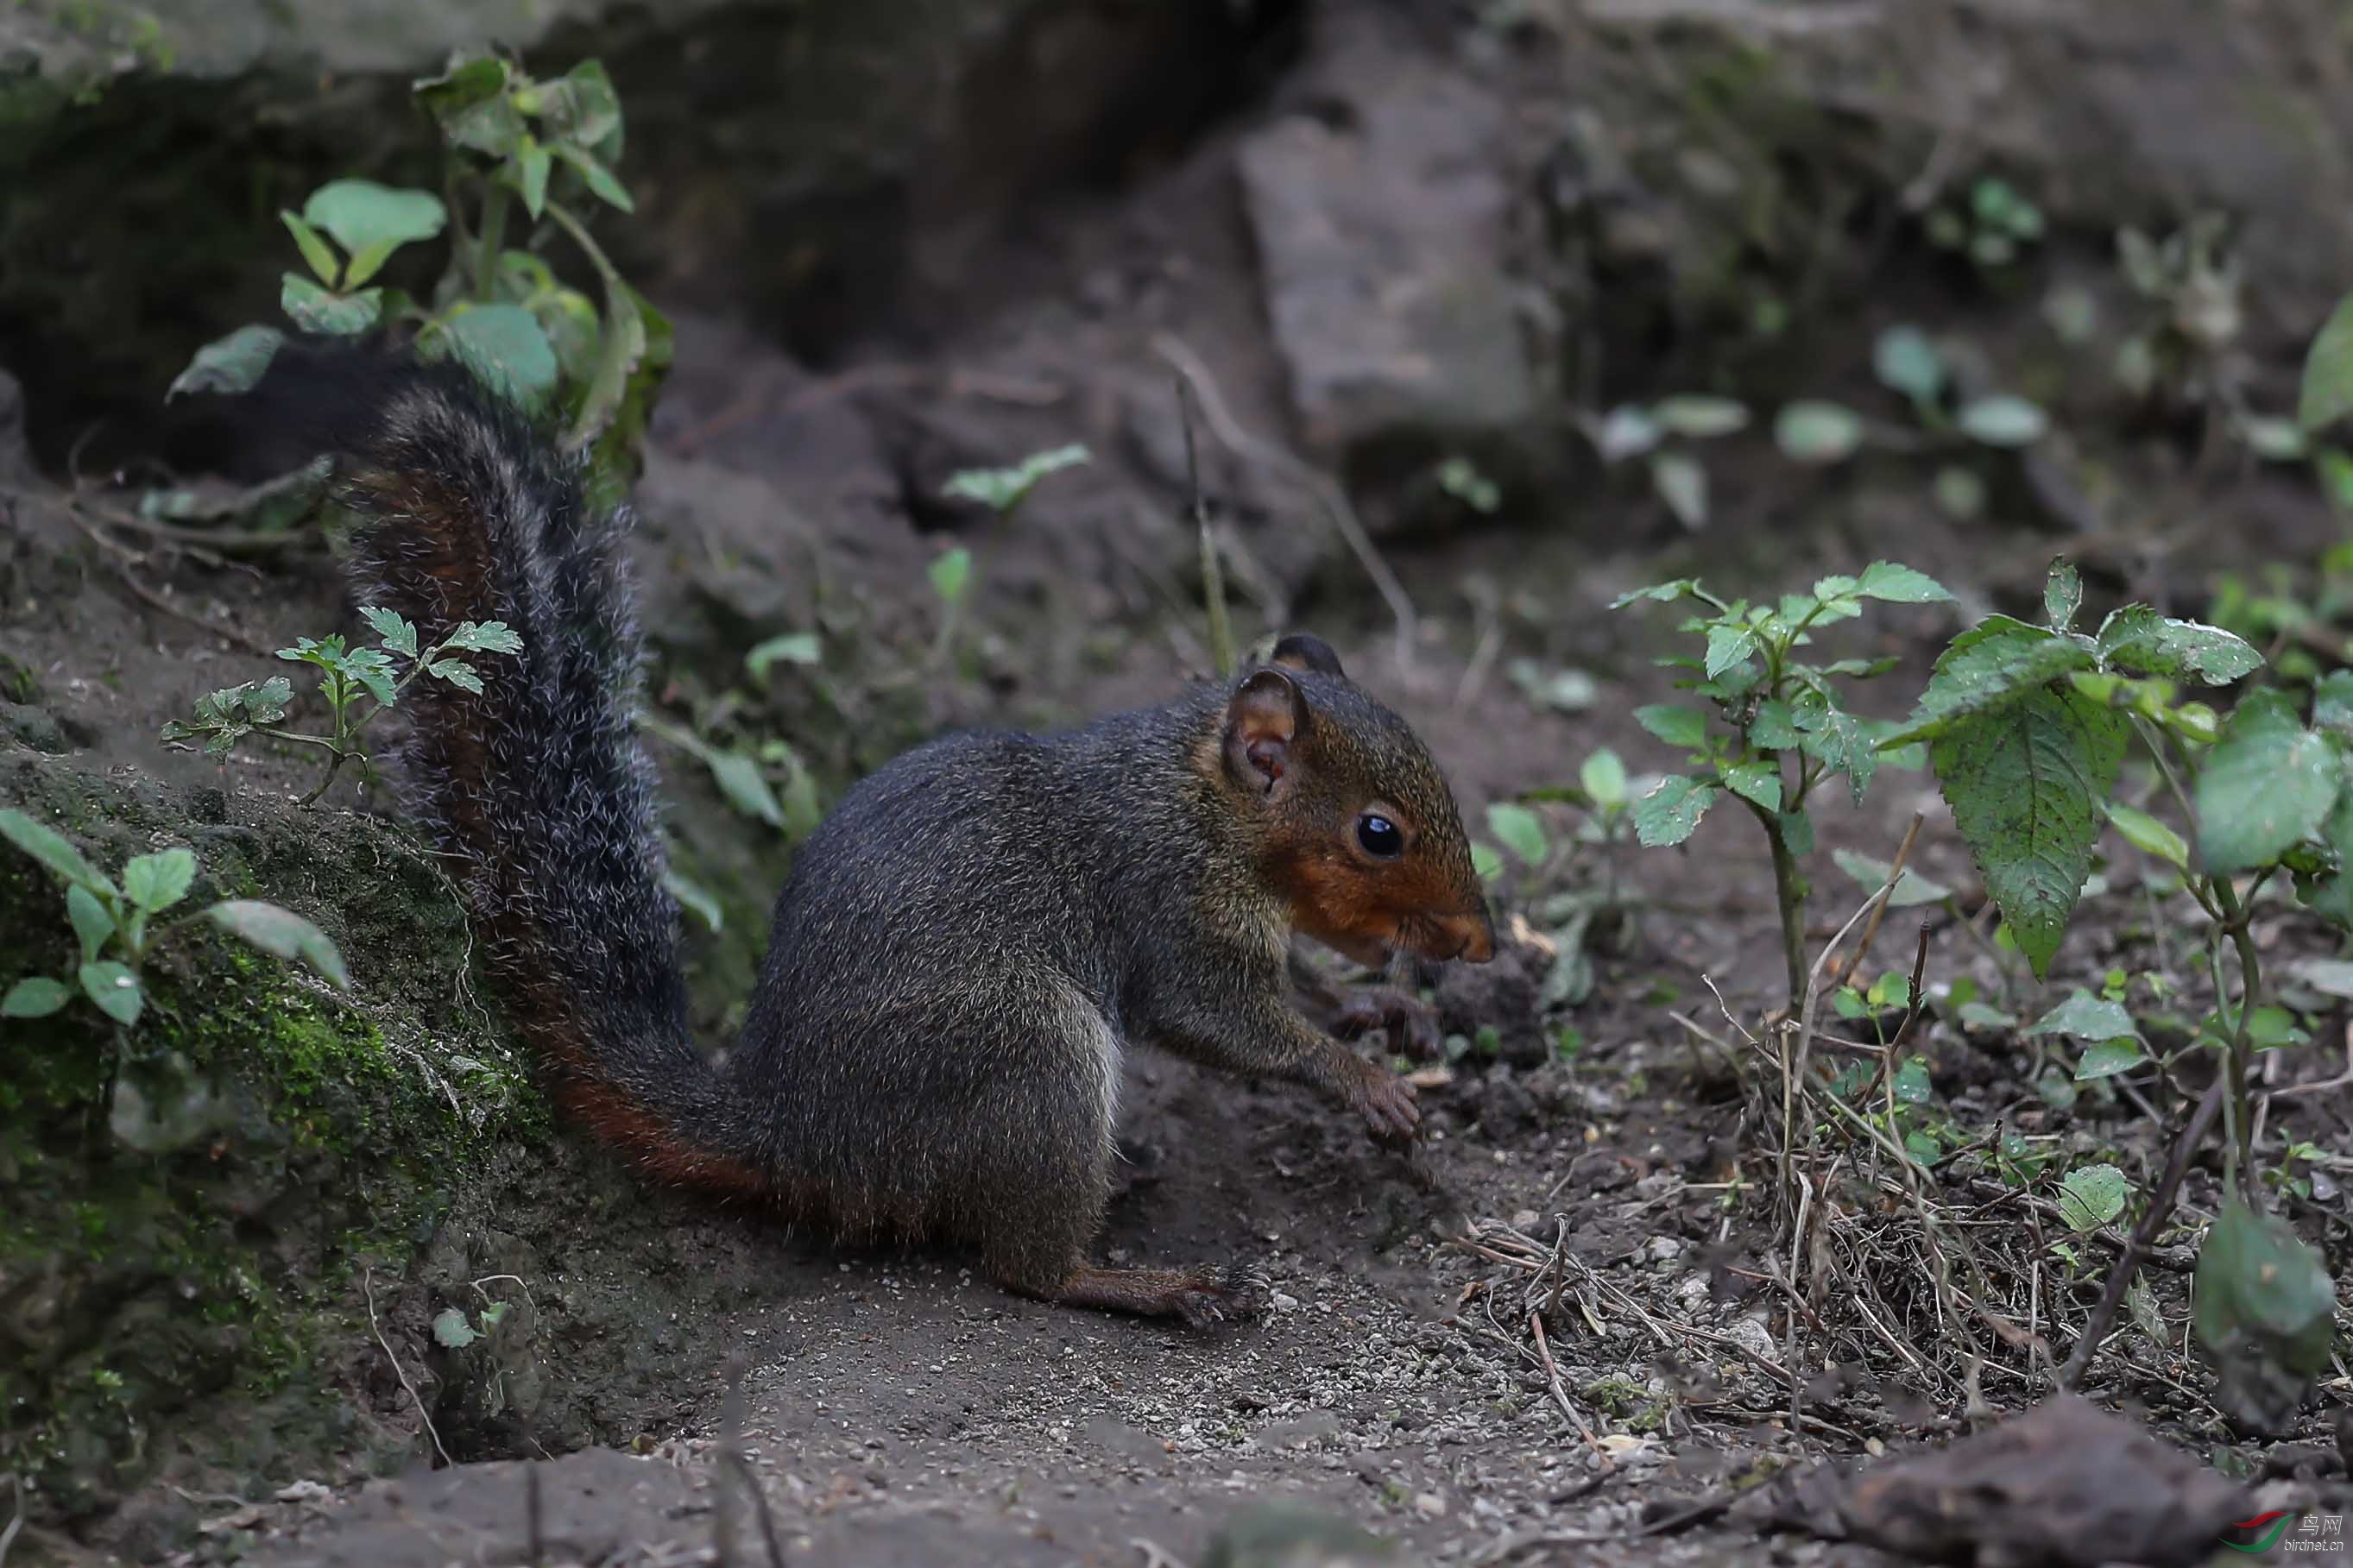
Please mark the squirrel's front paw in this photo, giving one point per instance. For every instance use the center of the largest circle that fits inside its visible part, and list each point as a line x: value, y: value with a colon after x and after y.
x: 1411, y: 1023
x: 1388, y: 1104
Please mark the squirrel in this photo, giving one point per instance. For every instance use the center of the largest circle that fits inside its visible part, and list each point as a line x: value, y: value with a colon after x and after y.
x: 964, y: 948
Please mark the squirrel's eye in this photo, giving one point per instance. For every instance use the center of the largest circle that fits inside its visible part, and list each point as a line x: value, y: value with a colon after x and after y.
x: 1380, y: 837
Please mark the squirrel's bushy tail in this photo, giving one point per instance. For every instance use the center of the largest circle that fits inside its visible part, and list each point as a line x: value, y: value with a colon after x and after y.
x: 534, y: 788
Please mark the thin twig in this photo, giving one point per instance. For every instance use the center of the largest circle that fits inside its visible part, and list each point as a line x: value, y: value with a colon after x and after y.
x: 9, y: 1536
x: 2143, y: 1235
x: 1322, y: 485
x: 1560, y: 1395
x: 1213, y: 572
x: 368, y: 1285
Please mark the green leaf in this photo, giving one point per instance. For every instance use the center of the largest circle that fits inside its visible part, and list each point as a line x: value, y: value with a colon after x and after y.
x: 451, y: 1330
x: 483, y: 636
x: 398, y: 634
x: 507, y: 349
x: 1662, y: 593
x: 1520, y: 829
x: 1681, y: 483
x: 532, y: 165
x: 1994, y: 664
x: 114, y: 989
x: 314, y: 309
x: 1727, y: 644
x: 2265, y: 1313
x: 2328, y: 390
x: 623, y: 354
x: 1677, y: 726
x: 231, y: 364
x: 1907, y: 362
x: 2091, y: 1196
x: 61, y: 859
x: 2107, y: 1059
x: 1912, y: 1086
x: 281, y: 932
x: 2267, y: 785
x: 1670, y: 812
x: 746, y: 786
x: 581, y: 108
x: 372, y: 669
x: 92, y: 921
x: 695, y: 899
x: 471, y: 106
x: 371, y: 220
x: 1835, y: 738
x: 1984, y: 1016
x: 2083, y: 1016
x: 155, y: 882
x: 2147, y: 834
x: 2063, y: 596
x: 1810, y: 431
x: 316, y: 252
x: 1486, y: 860
x: 1911, y: 889
x: 2004, y: 420
x: 1002, y: 489
x: 2026, y: 782
x: 223, y: 718
x: 2332, y: 701
x: 1697, y: 418
x: 950, y: 575
x: 1899, y: 586
x: 1758, y: 782
x: 458, y: 673
x: 2138, y: 640
x: 1626, y: 431
x: 600, y: 180
x: 36, y: 997
x: 1958, y: 492
x: 792, y: 647
x: 1774, y: 726
x: 1604, y: 777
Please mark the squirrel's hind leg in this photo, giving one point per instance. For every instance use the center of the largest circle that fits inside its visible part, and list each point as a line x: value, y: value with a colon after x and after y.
x: 1200, y: 1297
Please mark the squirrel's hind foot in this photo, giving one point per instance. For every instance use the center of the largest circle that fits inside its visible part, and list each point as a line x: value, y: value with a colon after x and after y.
x: 1200, y: 1297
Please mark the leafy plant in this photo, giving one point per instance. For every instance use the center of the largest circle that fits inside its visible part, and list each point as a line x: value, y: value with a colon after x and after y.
x: 514, y: 143
x: 114, y: 928
x: 356, y: 685
x: 1002, y: 491
x: 1990, y: 228
x: 1665, y: 435
x: 1775, y: 728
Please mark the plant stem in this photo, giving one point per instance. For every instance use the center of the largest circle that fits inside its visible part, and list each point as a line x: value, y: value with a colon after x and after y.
x: 2250, y: 983
x: 1789, y: 894
x: 493, y: 241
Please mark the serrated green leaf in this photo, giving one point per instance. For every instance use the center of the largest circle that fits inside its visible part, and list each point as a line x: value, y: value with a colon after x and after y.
x: 1811, y: 431
x: 398, y: 634
x: 483, y: 636
x: 1911, y: 889
x: 2147, y: 834
x: 1662, y: 593
x: 581, y: 108
x: 2327, y: 394
x: 2268, y: 784
x: 1835, y: 738
x: 1907, y: 362
x: 2026, y: 783
x: 1670, y: 812
x: 471, y: 106
x: 792, y: 647
x: 62, y: 860
x: 2083, y: 1016
x: 1520, y: 830
x: 92, y: 922
x: 1993, y: 665
x: 1677, y: 726
x: 1899, y: 585
x: 2138, y: 640
x: 2091, y: 1196
x: 1697, y: 418
x: 1727, y: 646
x: 458, y: 673
x: 314, y: 309
x: 2063, y: 596
x: 1774, y: 726
x: 114, y: 989
x: 281, y: 932
x: 507, y: 349
x: 2004, y: 420
x: 36, y: 997
x: 155, y: 882
x: 1604, y: 777
x: 1758, y: 782
x: 316, y: 252
x: 231, y: 364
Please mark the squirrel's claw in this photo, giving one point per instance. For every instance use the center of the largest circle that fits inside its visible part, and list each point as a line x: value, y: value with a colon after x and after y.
x: 1411, y: 1023
x: 1388, y: 1104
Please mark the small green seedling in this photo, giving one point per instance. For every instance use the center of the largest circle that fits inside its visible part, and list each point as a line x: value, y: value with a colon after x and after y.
x: 1990, y: 228
x: 114, y: 925
x: 1665, y: 435
x: 356, y: 685
x: 1002, y: 491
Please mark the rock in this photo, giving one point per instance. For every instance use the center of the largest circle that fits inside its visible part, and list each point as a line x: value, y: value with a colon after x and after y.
x: 1285, y: 1535
x: 1380, y: 238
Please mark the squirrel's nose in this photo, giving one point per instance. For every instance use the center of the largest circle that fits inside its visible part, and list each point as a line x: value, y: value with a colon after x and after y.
x: 1475, y: 934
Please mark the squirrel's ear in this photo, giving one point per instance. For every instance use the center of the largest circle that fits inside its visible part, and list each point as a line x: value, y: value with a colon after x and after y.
x: 1305, y: 650
x: 1263, y: 722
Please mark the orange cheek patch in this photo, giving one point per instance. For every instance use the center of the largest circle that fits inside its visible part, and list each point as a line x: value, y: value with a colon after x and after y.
x: 1334, y: 898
